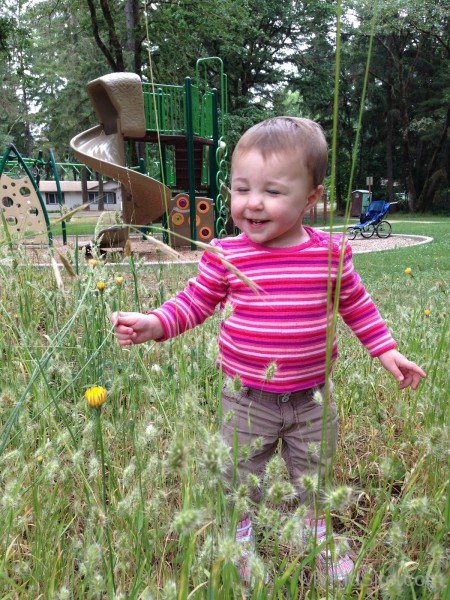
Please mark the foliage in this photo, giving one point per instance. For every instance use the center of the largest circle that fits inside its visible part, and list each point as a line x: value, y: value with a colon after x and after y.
x: 145, y: 472
x: 279, y: 57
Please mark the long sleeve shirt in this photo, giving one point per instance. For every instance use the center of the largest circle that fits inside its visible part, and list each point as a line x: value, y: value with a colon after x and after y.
x: 275, y: 339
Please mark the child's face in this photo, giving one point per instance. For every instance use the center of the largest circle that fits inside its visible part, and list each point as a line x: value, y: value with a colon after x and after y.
x: 271, y: 196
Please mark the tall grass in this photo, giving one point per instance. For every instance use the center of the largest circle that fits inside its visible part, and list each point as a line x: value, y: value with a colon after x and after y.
x: 129, y: 503
x: 171, y: 527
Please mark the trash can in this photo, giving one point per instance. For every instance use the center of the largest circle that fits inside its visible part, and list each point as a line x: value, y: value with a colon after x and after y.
x: 360, y: 202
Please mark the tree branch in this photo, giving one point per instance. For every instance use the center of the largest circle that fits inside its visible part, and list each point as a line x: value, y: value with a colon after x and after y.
x: 114, y: 40
x: 105, y: 50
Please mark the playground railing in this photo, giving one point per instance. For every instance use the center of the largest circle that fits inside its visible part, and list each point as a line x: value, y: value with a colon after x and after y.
x: 165, y: 109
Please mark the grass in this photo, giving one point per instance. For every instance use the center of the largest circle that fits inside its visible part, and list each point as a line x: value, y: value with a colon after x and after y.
x: 151, y: 520
x: 84, y: 224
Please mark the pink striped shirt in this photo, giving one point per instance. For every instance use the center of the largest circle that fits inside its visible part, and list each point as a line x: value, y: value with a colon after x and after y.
x: 283, y: 325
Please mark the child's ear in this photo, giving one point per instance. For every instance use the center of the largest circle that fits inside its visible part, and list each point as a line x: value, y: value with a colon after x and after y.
x: 314, y: 196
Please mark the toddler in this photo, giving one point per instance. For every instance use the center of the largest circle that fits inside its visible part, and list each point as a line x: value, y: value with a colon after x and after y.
x: 273, y: 344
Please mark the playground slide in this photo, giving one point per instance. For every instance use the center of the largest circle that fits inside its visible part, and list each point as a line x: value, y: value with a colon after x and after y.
x: 118, y: 102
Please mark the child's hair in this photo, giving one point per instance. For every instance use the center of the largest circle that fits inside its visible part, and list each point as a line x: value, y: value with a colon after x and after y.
x: 281, y: 135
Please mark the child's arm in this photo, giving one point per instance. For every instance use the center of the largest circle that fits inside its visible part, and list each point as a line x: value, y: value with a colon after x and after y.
x: 405, y: 371
x: 186, y: 310
x: 136, y: 328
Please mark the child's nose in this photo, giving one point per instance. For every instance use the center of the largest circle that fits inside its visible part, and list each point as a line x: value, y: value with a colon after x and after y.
x: 254, y: 201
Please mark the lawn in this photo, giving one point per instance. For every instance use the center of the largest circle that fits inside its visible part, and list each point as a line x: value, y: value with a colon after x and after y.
x: 128, y: 502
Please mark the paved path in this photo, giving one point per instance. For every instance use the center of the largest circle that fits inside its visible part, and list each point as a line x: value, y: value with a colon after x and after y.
x: 360, y: 245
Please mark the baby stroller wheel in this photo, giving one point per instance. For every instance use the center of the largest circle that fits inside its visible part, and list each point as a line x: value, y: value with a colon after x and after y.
x: 351, y: 233
x: 368, y: 231
x: 383, y: 229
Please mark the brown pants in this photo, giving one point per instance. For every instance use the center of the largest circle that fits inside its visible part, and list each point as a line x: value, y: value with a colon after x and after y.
x: 297, y: 419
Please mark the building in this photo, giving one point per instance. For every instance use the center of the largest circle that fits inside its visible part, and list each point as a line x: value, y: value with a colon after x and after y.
x: 73, y: 197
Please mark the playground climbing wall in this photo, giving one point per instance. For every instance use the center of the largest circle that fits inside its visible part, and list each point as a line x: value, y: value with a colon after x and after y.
x: 179, y: 219
x: 22, y: 210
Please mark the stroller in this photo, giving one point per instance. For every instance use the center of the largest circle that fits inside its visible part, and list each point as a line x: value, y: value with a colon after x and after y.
x: 372, y: 222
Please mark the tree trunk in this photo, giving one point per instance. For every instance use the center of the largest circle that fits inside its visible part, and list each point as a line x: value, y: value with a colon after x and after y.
x: 28, y: 134
x: 132, y: 23
x: 389, y: 142
x: 101, y: 195
x: 429, y: 188
x: 407, y: 161
x: 84, y: 187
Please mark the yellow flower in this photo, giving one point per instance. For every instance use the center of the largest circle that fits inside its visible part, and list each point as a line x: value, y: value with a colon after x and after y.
x: 408, y: 271
x: 95, y: 396
x: 92, y: 262
x: 40, y: 458
x: 101, y: 285
x: 119, y: 280
x: 427, y: 312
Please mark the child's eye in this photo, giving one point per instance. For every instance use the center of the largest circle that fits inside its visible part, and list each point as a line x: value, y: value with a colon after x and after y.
x: 241, y: 190
x: 273, y: 192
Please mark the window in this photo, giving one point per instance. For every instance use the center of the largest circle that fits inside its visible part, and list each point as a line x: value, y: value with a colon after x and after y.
x: 108, y: 197
x: 52, y: 197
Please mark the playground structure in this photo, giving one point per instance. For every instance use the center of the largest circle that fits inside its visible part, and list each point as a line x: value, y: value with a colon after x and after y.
x: 182, y: 124
x: 23, y: 213
x: 182, y: 121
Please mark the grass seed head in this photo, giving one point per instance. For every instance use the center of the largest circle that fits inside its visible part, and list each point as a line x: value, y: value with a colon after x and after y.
x: 257, y: 568
x: 270, y: 371
x: 253, y: 481
x: 396, y: 536
x: 310, y: 483
x: 417, y: 506
x: 187, y: 520
x: 437, y: 583
x: 318, y: 398
x: 215, y: 456
x: 63, y: 594
x: 313, y: 448
x: 93, y: 468
x: 229, y: 550
x: 234, y: 385
x: 339, y: 497
x: 177, y: 455
x: 280, y: 491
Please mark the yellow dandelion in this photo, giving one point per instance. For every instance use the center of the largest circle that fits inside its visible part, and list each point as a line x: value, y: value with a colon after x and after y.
x: 408, y: 271
x: 95, y: 396
x: 40, y: 458
x: 427, y: 312
x: 101, y: 286
x: 119, y: 280
x: 92, y: 262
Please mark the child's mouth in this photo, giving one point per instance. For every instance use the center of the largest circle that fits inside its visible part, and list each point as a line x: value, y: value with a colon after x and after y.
x: 256, y: 221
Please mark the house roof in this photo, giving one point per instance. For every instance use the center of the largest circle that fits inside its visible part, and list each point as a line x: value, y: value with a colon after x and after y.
x: 75, y: 186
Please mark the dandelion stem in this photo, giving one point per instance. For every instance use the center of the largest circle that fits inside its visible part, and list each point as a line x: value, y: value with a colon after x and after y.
x: 104, y: 494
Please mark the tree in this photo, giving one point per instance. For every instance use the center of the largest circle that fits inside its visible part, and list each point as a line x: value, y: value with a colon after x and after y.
x: 16, y: 55
x: 412, y: 88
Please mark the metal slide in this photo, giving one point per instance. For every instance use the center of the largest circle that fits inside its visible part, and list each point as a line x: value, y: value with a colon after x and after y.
x: 118, y: 102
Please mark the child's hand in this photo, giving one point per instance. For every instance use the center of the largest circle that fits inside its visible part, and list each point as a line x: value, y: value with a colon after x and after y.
x: 136, y: 328
x: 405, y: 371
